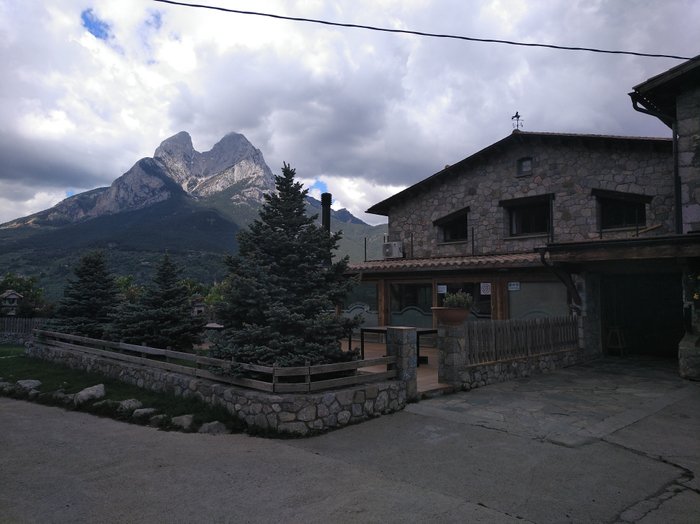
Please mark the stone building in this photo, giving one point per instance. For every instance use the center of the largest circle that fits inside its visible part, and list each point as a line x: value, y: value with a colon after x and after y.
x: 674, y: 98
x: 542, y: 224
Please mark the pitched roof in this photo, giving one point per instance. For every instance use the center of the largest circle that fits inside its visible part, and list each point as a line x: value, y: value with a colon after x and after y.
x: 465, y: 263
x: 659, y: 92
x: 383, y: 207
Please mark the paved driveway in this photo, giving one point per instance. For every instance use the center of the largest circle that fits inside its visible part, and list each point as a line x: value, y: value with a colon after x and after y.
x: 613, y: 441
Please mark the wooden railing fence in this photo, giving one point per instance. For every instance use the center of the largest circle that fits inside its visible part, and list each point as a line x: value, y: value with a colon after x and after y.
x: 273, y: 379
x: 496, y: 340
x: 20, y: 325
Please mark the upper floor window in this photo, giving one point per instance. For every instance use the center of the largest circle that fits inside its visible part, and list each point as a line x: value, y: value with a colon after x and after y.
x: 620, y: 210
x: 524, y: 166
x: 453, y: 227
x: 529, y: 215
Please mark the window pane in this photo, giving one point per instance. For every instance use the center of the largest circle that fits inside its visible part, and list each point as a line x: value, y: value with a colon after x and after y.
x: 455, y: 229
x: 524, y: 166
x: 530, y: 219
x: 621, y: 213
x: 410, y: 305
x: 538, y: 299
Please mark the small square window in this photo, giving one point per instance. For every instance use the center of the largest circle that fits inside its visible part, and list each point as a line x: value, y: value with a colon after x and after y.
x: 524, y: 166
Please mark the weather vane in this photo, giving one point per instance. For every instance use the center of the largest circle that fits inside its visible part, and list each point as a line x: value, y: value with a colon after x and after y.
x: 517, y: 124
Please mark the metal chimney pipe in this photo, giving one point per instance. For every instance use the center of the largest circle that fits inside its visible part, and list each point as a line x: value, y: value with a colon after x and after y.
x: 326, y: 211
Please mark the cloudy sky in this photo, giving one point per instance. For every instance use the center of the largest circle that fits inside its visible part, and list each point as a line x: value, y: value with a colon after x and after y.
x: 90, y: 86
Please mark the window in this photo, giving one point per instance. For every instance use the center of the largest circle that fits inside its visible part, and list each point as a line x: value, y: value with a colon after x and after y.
x: 453, y: 227
x: 528, y: 216
x: 620, y: 210
x: 524, y: 166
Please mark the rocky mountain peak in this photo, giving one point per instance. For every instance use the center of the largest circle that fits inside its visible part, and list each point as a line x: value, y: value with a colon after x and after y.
x: 228, y: 152
x: 233, y: 165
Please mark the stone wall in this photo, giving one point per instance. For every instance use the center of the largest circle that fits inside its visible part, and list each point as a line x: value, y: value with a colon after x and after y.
x: 688, y: 111
x: 454, y: 368
x: 297, y: 414
x: 567, y: 168
x: 16, y: 339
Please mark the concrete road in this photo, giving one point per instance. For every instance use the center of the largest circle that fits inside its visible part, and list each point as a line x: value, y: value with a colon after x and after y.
x: 613, y: 441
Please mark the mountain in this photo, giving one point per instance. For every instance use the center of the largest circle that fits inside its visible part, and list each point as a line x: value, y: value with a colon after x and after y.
x: 187, y: 203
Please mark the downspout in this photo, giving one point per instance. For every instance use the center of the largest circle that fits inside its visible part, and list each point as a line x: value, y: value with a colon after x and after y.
x: 637, y: 100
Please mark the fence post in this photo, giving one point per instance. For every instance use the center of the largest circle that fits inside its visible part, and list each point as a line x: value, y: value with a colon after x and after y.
x: 401, y: 342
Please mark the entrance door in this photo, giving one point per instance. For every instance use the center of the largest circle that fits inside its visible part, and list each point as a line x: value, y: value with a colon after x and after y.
x: 648, y: 309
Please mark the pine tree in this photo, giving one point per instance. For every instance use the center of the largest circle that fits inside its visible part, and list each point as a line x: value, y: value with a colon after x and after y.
x: 162, y: 315
x: 282, y: 289
x: 89, y: 302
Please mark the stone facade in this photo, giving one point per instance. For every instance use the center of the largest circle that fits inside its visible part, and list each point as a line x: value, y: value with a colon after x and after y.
x: 296, y: 414
x: 687, y: 111
x: 568, y: 167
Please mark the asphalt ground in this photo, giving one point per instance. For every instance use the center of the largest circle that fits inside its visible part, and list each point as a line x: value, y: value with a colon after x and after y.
x: 617, y: 440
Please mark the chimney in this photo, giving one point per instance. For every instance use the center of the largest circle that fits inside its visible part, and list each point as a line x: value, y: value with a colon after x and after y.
x: 326, y: 211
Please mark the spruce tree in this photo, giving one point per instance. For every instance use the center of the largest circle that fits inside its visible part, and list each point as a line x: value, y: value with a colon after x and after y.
x: 282, y: 289
x: 89, y: 301
x: 162, y: 315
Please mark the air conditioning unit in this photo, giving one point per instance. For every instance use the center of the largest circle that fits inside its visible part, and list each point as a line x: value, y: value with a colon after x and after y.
x: 392, y: 250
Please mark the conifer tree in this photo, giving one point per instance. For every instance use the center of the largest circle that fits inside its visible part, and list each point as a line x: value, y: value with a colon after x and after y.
x: 89, y: 301
x: 282, y: 289
x: 162, y: 315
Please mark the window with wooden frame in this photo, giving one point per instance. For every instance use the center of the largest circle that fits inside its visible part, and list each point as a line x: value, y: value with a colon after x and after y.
x: 619, y: 210
x: 453, y: 227
x: 529, y: 215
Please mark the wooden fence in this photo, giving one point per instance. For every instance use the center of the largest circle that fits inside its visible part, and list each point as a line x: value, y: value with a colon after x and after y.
x: 20, y: 325
x: 273, y: 379
x: 497, y: 340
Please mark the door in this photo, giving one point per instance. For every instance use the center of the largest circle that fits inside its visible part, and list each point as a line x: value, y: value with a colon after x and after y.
x: 646, y: 309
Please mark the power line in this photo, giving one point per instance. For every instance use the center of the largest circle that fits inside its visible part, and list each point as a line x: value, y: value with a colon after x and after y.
x: 420, y: 33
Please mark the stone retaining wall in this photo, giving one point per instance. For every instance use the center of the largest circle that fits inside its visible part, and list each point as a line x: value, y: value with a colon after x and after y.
x: 454, y: 367
x: 480, y: 375
x: 297, y: 414
x: 18, y: 339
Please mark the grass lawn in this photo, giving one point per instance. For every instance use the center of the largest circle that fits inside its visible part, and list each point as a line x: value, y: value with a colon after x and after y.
x: 14, y: 366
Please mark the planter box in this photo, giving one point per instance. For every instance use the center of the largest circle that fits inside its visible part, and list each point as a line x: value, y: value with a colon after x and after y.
x: 451, y: 316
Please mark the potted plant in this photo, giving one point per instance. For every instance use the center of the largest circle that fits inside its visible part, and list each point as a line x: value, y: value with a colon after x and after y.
x: 455, y: 308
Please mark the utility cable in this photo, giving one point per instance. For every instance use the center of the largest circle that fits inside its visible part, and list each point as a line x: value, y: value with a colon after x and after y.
x: 420, y: 33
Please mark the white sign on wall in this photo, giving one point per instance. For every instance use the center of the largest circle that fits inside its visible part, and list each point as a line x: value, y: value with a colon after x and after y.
x: 513, y: 286
x: 442, y: 289
x: 485, y: 288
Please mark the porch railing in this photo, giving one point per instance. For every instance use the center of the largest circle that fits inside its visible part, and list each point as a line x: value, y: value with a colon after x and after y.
x: 272, y: 379
x: 498, y: 340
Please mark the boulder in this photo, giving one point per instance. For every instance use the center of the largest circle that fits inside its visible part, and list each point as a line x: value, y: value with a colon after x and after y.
x: 88, y: 394
x: 144, y: 412
x: 213, y: 428
x: 62, y: 397
x: 108, y: 403
x: 128, y: 405
x: 157, y: 420
x: 28, y: 385
x: 183, y: 421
